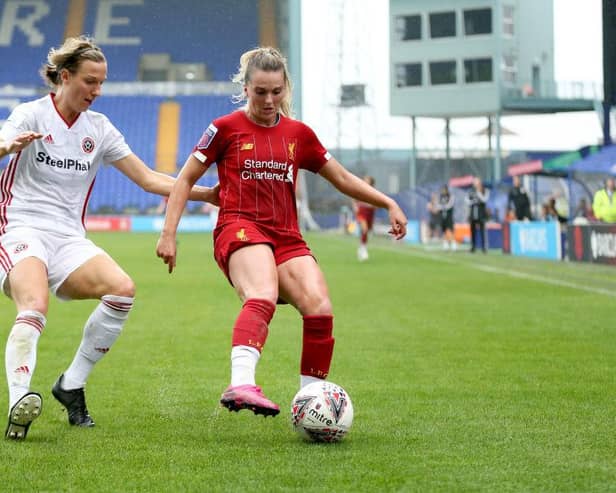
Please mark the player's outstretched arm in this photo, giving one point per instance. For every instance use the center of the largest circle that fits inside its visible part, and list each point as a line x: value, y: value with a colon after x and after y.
x: 356, y: 188
x: 166, y: 246
x: 20, y: 141
x: 159, y: 183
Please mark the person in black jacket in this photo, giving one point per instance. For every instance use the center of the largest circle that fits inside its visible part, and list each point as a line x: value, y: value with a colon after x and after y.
x: 476, y: 200
x: 446, y: 205
x: 518, y: 200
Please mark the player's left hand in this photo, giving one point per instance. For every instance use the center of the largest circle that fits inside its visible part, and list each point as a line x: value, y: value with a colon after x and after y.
x: 398, y: 222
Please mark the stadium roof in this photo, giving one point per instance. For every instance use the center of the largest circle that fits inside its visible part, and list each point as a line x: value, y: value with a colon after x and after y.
x: 603, y: 161
x: 556, y: 166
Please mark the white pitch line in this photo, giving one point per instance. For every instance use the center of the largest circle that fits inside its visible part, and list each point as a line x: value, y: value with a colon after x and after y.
x: 547, y: 280
x: 506, y: 272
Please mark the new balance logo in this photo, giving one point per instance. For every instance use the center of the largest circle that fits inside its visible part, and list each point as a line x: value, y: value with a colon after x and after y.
x: 23, y: 369
x: 102, y: 349
x: 48, y: 139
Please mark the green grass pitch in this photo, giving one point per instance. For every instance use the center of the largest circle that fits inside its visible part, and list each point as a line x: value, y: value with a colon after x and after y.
x: 467, y: 373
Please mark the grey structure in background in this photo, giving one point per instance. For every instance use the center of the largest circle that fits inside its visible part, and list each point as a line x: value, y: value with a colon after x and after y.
x: 463, y: 58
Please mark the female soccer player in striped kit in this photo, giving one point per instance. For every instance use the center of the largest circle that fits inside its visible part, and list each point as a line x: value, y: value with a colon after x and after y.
x: 257, y: 242
x: 57, y: 144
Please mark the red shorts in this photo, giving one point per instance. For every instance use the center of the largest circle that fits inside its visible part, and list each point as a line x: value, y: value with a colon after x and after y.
x: 366, y: 215
x: 232, y: 236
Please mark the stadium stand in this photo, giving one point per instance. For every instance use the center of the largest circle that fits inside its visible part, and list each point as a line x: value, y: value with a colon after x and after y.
x: 196, y: 114
x: 137, y: 118
x: 126, y: 30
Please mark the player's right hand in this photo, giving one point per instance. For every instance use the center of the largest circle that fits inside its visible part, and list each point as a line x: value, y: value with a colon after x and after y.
x: 23, y: 140
x: 167, y: 250
x: 398, y: 222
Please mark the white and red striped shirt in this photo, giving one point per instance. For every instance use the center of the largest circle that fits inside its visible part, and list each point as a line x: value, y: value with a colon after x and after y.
x: 47, y: 185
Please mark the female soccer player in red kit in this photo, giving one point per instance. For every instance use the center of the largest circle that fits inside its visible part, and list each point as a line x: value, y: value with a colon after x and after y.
x: 364, y: 214
x: 257, y: 241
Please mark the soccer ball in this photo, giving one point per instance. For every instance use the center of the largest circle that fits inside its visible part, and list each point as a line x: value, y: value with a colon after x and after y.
x: 322, y: 412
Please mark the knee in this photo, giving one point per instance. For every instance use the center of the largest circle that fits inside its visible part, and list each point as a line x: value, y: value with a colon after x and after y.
x: 123, y: 287
x: 33, y: 303
x: 317, y: 305
x: 268, y: 294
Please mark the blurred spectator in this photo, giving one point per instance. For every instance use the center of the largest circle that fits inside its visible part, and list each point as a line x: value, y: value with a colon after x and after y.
x: 554, y: 210
x: 518, y: 201
x: 347, y: 221
x: 583, y: 212
x: 549, y: 212
x: 476, y: 200
x: 446, y: 205
x: 434, y: 223
x: 604, y: 203
x: 510, y: 215
x: 545, y: 213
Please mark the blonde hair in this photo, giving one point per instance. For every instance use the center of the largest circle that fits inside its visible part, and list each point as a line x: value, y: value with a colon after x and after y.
x: 69, y: 56
x: 269, y: 60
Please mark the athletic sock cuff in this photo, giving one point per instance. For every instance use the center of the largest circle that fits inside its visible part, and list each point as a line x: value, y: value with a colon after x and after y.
x: 252, y: 324
x: 319, y: 326
x: 118, y: 306
x: 32, y: 317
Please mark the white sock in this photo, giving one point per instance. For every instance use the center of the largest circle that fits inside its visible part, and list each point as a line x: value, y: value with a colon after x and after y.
x: 20, y: 355
x: 244, y: 361
x: 307, y: 380
x: 100, y: 332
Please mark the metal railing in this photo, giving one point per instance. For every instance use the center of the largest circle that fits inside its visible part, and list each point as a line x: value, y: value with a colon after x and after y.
x: 587, y: 90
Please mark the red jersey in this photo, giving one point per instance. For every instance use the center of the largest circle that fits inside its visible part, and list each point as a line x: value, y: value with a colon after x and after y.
x: 365, y: 210
x: 257, y: 167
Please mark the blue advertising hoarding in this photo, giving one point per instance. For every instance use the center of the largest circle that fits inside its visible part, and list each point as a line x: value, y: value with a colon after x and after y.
x: 537, y: 239
x: 413, y: 234
x: 188, y: 224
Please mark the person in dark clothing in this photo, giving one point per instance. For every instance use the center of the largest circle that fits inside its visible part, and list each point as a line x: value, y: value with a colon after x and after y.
x: 477, y: 199
x: 446, y: 204
x: 434, y: 212
x: 553, y: 212
x: 584, y: 211
x: 518, y: 200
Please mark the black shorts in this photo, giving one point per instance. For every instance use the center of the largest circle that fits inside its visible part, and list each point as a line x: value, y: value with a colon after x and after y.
x: 447, y: 220
x: 435, y: 221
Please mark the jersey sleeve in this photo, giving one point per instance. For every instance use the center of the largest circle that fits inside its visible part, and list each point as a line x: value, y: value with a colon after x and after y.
x: 116, y: 147
x: 210, y: 144
x: 18, y: 121
x: 314, y: 155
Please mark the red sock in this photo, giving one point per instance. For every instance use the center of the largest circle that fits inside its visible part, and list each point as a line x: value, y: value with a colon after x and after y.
x: 251, y: 326
x: 318, y: 345
x: 364, y: 237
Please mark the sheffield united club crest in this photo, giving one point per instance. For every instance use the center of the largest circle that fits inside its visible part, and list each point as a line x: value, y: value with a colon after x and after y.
x: 87, y: 145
